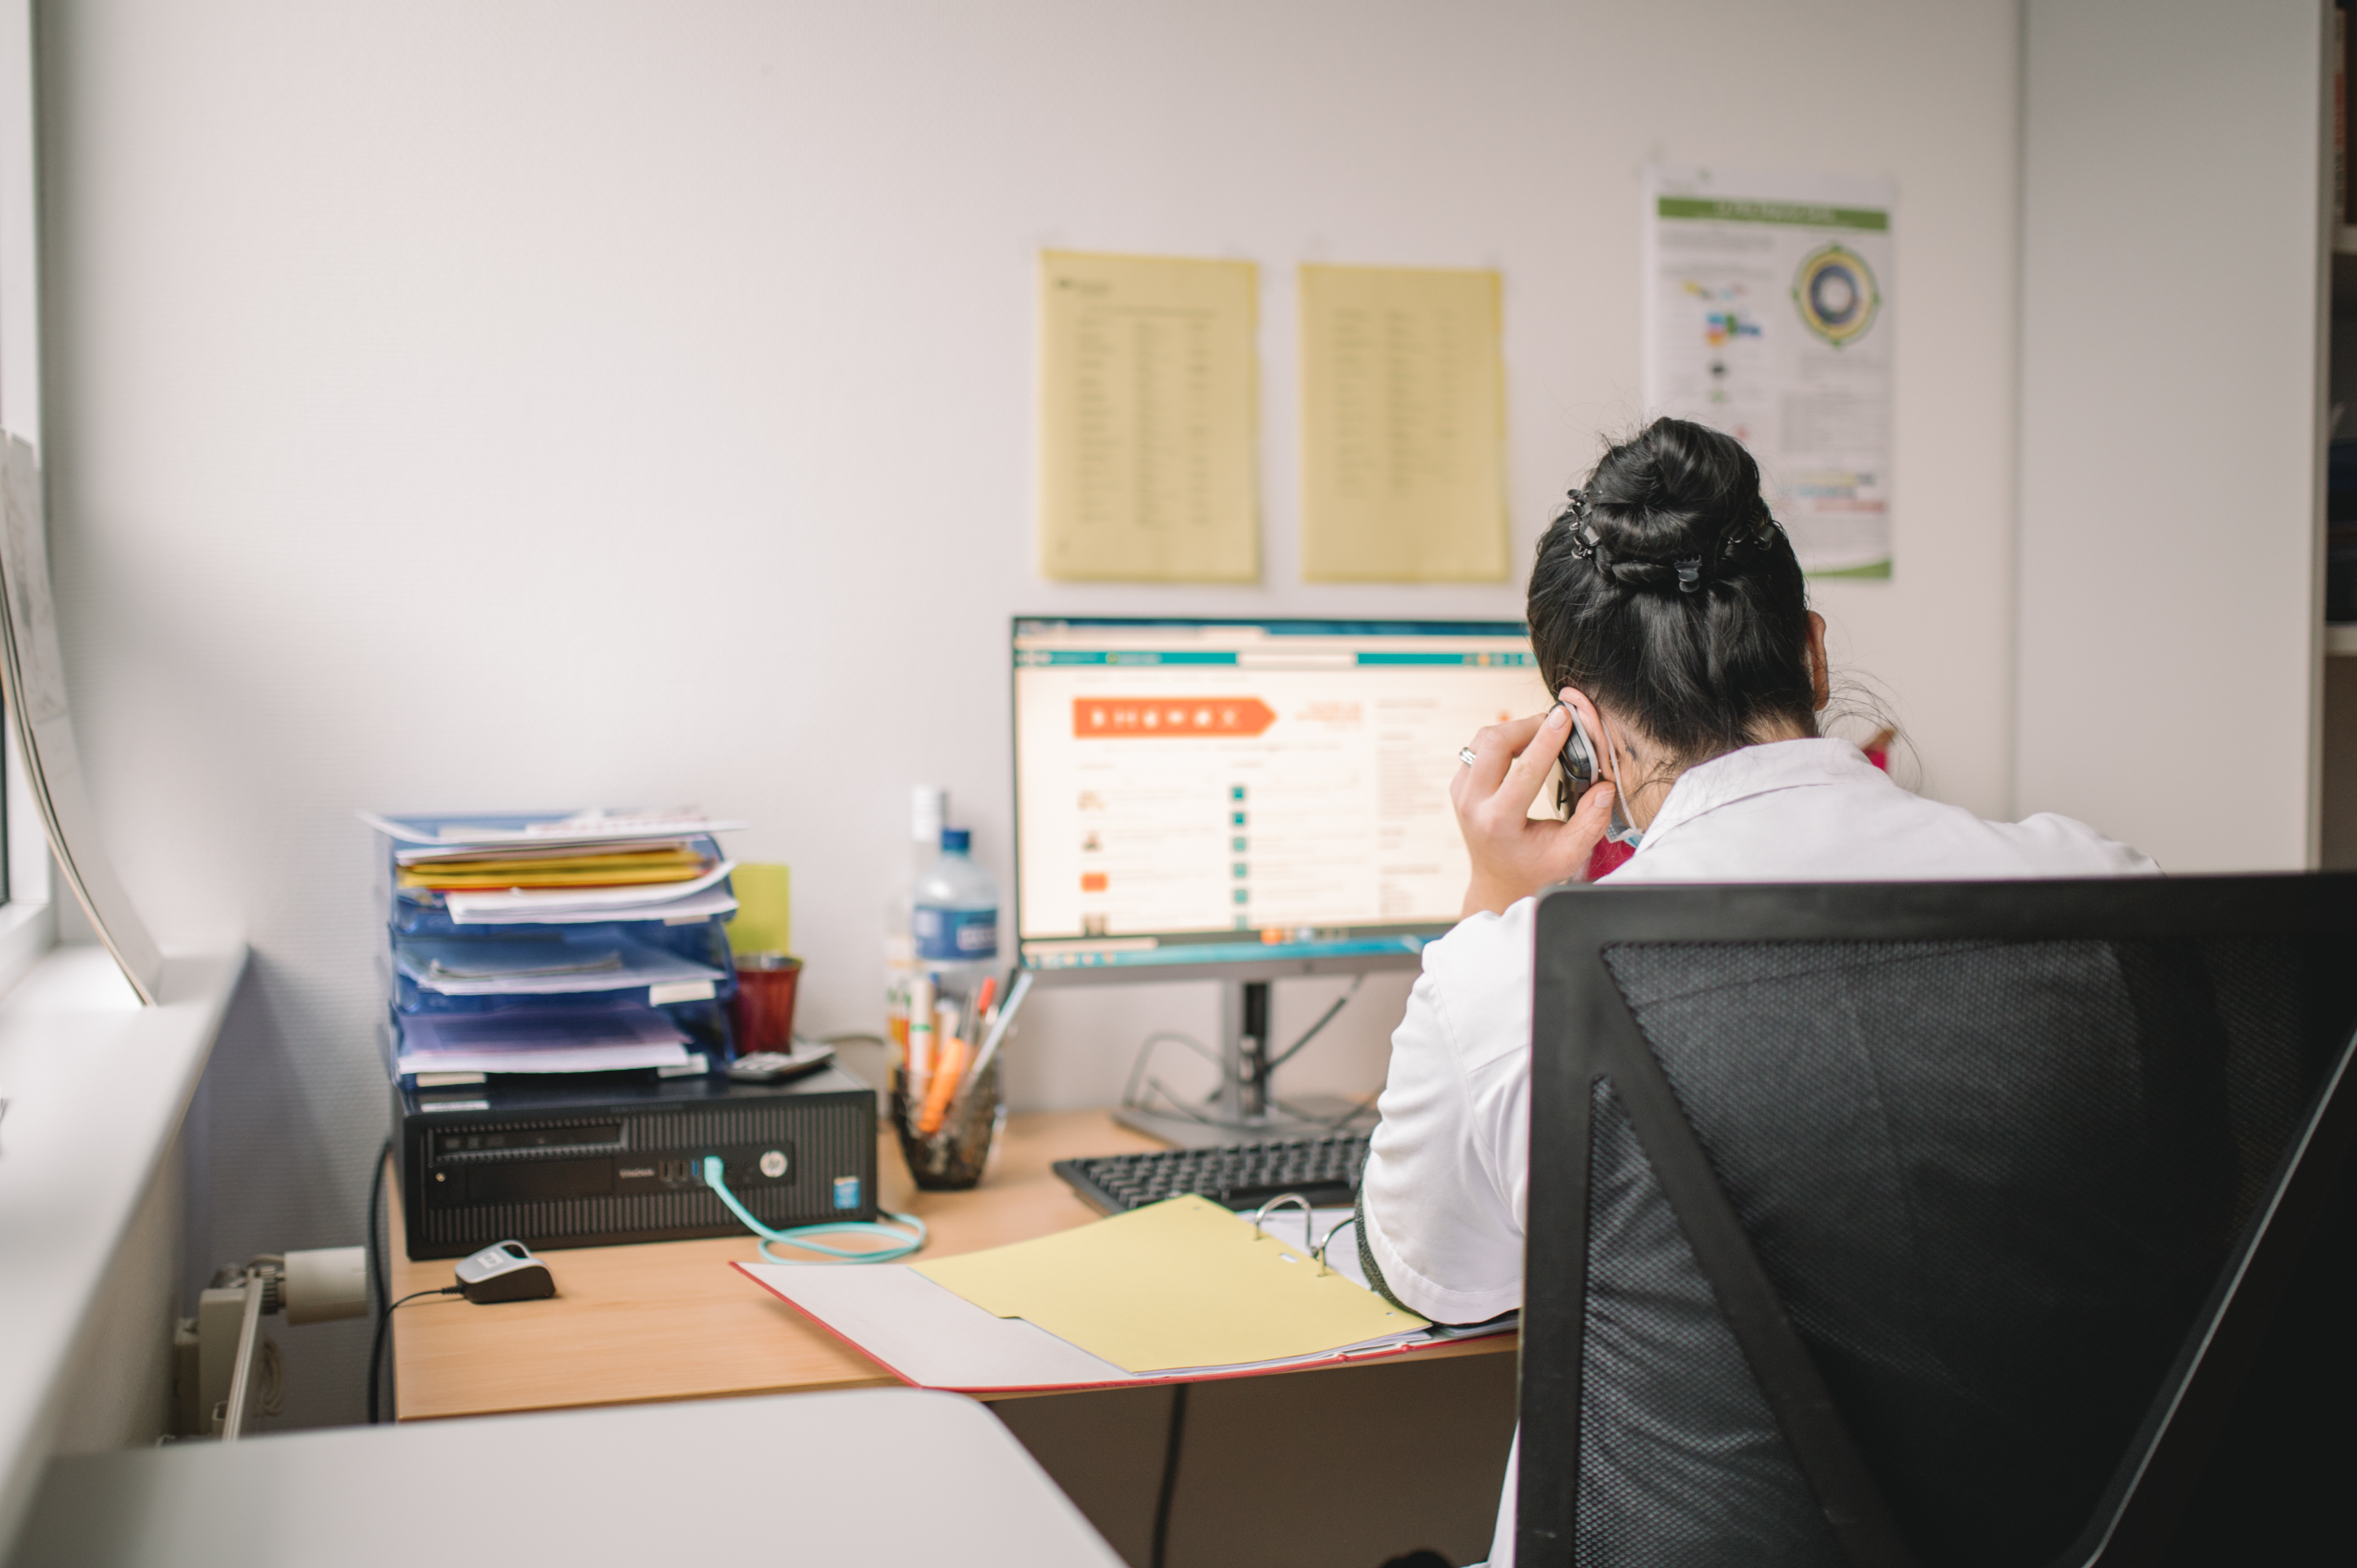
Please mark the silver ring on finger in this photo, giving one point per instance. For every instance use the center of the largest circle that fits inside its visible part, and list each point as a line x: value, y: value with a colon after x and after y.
x: 1465, y: 755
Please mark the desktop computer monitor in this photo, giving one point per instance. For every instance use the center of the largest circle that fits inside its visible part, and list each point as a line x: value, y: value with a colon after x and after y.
x: 1241, y: 800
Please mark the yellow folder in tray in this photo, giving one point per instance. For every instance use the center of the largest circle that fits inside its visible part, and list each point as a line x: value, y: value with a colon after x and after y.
x: 1180, y: 1284
x: 587, y: 871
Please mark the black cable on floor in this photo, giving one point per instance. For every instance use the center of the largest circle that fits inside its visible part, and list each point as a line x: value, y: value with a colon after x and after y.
x: 378, y: 1268
x: 1170, y: 1474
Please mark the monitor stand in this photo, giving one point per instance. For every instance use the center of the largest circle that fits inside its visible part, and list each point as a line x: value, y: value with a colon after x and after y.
x: 1244, y: 1110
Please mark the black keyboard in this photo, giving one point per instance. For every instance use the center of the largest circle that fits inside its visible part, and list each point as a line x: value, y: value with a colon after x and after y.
x: 1242, y: 1177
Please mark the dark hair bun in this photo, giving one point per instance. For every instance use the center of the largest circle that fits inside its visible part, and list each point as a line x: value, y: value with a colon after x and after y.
x: 1666, y: 507
x: 1667, y: 592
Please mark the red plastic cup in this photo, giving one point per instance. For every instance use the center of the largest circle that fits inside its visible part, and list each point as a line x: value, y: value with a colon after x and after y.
x: 764, y: 1008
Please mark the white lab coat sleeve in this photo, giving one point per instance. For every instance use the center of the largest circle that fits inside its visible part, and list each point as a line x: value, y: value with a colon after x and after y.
x: 2057, y: 846
x: 1447, y: 1174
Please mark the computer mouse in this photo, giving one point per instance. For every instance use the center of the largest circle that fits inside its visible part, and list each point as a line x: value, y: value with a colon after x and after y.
x: 505, y: 1271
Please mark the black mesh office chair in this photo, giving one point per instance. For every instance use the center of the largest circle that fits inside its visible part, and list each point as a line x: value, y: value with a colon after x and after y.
x: 1941, y: 1224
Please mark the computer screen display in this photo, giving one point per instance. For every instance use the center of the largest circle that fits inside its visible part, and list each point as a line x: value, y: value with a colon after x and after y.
x: 1225, y: 791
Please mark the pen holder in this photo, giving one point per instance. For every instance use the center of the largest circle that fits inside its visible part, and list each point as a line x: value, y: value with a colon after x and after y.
x: 953, y: 1159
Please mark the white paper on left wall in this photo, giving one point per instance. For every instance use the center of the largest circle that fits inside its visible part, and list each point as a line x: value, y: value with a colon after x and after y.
x: 33, y: 676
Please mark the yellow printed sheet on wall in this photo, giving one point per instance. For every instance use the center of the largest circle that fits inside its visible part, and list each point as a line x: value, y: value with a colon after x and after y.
x: 1149, y: 416
x: 1403, y: 425
x: 1175, y: 1286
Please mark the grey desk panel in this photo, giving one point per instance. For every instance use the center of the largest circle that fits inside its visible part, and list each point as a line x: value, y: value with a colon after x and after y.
x: 873, y: 1477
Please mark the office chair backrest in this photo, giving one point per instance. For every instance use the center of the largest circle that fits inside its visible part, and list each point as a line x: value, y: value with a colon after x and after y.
x: 1914, y: 1224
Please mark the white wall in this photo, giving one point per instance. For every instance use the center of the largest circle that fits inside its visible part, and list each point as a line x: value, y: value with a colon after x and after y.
x: 2172, y: 317
x: 461, y: 405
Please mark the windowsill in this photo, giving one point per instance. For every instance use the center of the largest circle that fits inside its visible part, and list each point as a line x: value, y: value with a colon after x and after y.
x: 97, y: 1086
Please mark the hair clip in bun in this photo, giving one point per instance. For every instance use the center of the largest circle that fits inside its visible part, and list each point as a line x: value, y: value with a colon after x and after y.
x: 1689, y: 573
x: 1575, y: 507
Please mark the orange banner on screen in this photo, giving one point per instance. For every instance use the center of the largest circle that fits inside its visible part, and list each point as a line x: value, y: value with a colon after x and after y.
x: 1194, y: 718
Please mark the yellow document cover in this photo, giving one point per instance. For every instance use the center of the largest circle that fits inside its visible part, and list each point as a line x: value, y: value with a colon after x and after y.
x: 615, y: 871
x: 1180, y: 1284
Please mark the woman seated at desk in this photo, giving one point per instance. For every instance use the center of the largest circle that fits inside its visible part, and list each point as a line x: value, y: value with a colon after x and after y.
x: 1667, y: 611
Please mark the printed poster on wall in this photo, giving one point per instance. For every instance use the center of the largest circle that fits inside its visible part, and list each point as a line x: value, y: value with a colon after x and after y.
x: 1768, y: 314
x: 1403, y: 425
x: 1149, y: 416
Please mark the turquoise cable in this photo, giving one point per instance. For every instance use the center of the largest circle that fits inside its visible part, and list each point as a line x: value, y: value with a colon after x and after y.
x: 900, y: 1244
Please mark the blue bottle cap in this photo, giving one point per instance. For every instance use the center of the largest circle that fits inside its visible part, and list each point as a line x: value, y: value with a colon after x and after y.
x: 954, y: 839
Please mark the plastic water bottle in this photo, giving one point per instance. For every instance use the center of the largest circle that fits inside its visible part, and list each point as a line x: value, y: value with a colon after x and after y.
x: 954, y: 913
x: 928, y: 807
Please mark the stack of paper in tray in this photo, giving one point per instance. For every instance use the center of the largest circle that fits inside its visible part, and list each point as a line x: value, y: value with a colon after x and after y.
x: 554, y: 943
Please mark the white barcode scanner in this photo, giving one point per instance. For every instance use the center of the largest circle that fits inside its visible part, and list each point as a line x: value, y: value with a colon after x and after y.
x: 505, y: 1271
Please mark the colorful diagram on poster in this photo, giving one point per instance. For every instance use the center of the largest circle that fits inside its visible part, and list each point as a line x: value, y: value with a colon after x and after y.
x: 1835, y: 294
x: 1768, y: 314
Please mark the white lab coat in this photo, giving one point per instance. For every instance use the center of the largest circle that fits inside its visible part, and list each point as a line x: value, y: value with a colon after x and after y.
x: 1447, y: 1182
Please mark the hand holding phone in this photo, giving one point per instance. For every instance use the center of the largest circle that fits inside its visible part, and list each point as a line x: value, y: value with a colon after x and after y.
x: 1513, y: 855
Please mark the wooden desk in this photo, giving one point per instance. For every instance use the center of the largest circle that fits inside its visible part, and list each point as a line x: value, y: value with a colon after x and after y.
x: 670, y: 1320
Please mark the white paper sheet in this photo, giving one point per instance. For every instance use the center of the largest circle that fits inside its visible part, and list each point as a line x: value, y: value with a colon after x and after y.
x: 449, y: 833
x: 583, y: 1059
x: 931, y: 1337
x: 600, y: 1040
x: 696, y: 907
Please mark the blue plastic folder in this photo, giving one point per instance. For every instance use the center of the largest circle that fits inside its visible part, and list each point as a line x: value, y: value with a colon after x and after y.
x: 466, y: 975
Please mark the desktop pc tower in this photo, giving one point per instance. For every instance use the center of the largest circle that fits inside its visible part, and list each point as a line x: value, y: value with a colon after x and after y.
x: 592, y: 1161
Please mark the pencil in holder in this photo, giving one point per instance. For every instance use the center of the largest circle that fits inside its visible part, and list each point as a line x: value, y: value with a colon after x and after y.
x: 953, y: 1156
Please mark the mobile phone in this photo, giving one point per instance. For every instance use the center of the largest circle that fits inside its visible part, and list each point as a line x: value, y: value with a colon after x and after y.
x: 1579, y: 776
x: 1578, y: 766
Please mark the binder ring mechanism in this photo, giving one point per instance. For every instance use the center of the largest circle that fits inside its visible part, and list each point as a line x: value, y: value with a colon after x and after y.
x: 1308, y: 1219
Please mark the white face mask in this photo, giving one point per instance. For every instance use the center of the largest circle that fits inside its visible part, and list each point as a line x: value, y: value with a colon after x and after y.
x: 1620, y: 832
